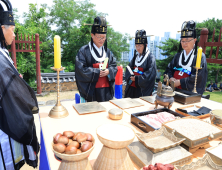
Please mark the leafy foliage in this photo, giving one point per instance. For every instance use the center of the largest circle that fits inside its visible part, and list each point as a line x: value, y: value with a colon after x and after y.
x: 214, y: 70
x: 170, y: 48
x: 65, y: 18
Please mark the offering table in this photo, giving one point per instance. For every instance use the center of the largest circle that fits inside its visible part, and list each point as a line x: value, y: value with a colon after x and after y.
x: 89, y: 122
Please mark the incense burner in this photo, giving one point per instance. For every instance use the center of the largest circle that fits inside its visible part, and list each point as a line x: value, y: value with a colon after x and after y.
x: 165, y: 94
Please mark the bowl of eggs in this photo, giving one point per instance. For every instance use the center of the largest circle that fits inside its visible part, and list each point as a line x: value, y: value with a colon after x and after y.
x: 73, y: 146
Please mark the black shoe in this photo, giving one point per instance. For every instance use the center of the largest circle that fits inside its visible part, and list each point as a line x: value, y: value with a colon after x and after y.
x: 206, y: 96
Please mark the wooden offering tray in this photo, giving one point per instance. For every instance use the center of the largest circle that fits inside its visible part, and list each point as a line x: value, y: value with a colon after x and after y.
x: 126, y: 103
x: 149, y: 99
x: 215, y: 154
x: 196, y: 131
x: 204, y: 163
x: 159, y: 140
x: 142, y: 156
x: 145, y: 126
x: 186, y: 97
x: 90, y: 107
x: 189, y: 108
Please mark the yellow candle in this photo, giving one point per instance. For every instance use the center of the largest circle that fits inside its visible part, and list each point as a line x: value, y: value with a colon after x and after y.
x: 199, y: 55
x: 57, y: 52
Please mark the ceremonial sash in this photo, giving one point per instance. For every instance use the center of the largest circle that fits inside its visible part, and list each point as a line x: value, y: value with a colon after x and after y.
x: 136, y: 74
x: 138, y: 71
x: 183, y: 70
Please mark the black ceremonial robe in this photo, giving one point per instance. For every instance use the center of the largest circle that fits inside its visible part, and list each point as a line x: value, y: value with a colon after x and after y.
x: 87, y: 76
x: 17, y: 105
x: 144, y: 84
x: 188, y: 82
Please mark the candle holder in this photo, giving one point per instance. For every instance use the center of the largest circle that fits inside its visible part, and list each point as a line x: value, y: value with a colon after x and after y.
x: 195, y: 83
x: 58, y: 111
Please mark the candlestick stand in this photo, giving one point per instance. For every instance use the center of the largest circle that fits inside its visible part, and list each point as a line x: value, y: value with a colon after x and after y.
x: 58, y: 111
x: 195, y: 83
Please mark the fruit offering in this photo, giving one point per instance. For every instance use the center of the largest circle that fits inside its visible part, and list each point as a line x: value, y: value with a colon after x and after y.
x: 159, y: 166
x: 72, y: 143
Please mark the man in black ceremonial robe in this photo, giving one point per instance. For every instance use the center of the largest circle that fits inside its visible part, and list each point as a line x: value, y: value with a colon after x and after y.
x: 181, y: 69
x: 143, y: 65
x: 93, y: 82
x: 18, y: 140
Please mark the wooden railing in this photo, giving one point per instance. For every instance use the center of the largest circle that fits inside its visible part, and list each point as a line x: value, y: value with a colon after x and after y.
x: 203, y: 43
x: 21, y: 45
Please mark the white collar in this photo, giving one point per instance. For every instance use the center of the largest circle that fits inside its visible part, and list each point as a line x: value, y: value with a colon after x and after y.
x: 185, y: 54
x: 188, y: 66
x: 98, y: 49
x: 95, y: 56
x: 6, y: 54
x: 137, y: 63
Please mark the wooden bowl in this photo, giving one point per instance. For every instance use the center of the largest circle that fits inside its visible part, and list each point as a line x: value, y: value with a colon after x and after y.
x: 124, y: 135
x: 73, y: 157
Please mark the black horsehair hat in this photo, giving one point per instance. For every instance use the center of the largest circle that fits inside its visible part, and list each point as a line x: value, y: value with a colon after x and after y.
x: 6, y: 17
x: 141, y: 37
x: 99, y: 26
x: 188, y: 29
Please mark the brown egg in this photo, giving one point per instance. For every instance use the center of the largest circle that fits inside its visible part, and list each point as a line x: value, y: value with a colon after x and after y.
x: 78, y: 151
x: 86, y: 146
x: 77, y: 134
x: 71, y: 150
x: 56, y: 137
x: 89, y: 137
x: 59, y: 147
x: 74, y: 143
x: 63, y: 139
x: 68, y: 134
x: 81, y: 138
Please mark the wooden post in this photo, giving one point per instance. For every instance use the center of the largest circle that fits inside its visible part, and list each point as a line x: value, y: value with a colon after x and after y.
x: 14, y: 53
x: 203, y: 38
x: 38, y: 71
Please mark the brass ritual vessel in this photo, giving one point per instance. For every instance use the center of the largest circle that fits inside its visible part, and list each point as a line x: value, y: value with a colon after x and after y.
x: 165, y: 94
x: 58, y: 111
x: 115, y: 114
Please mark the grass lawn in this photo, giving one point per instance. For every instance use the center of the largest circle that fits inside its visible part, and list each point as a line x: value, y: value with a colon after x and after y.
x: 215, y: 96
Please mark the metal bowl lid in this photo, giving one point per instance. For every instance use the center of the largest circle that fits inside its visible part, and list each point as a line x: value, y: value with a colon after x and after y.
x: 115, y: 111
x: 167, y: 91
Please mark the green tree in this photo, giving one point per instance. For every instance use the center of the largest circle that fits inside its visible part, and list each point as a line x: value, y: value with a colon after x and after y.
x: 170, y: 47
x: 214, y: 70
x: 35, y: 21
x: 69, y: 17
x: 117, y: 42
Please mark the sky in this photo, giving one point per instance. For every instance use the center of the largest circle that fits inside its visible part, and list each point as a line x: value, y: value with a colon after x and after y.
x: 154, y: 16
